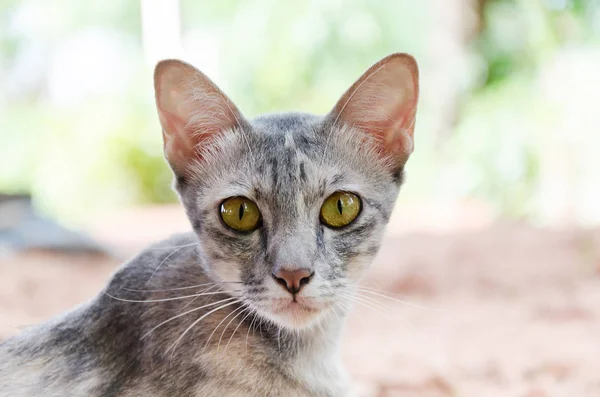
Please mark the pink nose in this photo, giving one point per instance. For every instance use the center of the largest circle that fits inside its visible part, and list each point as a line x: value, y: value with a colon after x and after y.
x: 293, y: 280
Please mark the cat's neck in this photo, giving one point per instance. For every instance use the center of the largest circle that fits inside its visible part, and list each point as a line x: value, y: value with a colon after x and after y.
x: 315, y: 354
x: 322, y: 337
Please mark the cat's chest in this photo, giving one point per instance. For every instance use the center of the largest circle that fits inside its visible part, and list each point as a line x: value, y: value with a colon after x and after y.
x: 307, y: 384
x: 307, y: 374
x: 324, y: 375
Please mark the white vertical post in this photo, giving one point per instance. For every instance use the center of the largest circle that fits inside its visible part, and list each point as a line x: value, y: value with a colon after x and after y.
x: 161, y: 30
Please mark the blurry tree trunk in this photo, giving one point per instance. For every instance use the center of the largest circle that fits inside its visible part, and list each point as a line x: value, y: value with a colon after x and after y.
x: 455, y: 23
x: 161, y: 29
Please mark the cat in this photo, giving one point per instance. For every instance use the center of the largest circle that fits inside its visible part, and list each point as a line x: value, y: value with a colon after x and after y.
x: 287, y: 211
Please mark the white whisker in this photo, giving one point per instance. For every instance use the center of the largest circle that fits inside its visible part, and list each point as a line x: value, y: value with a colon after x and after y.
x: 190, y: 302
x: 279, y: 339
x: 165, y: 299
x: 182, y: 288
x: 196, y: 298
x: 373, y: 291
x: 236, y: 328
x: 172, y: 247
x: 250, y: 327
x: 167, y: 257
x: 227, y: 326
x: 377, y: 308
x: 382, y: 306
x: 174, y: 345
x: 221, y: 322
x: 184, y: 313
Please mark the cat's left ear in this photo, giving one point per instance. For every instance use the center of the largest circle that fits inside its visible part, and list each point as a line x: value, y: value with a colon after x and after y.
x: 383, y: 103
x: 192, y: 109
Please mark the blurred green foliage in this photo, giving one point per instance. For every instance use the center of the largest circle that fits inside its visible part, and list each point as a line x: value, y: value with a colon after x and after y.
x: 101, y: 146
x: 508, y: 127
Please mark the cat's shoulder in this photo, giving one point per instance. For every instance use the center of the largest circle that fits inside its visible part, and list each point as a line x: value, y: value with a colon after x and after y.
x: 175, y: 245
x: 169, y: 262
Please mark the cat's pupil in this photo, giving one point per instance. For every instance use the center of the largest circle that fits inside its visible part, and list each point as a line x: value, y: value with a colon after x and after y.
x: 241, y: 211
x: 339, y: 205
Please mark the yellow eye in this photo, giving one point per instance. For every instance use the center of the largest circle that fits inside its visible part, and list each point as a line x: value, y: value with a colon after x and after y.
x: 340, y: 209
x: 240, y: 213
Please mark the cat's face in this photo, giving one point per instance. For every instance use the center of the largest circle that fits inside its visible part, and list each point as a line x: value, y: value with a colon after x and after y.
x: 290, y: 208
x: 288, y: 178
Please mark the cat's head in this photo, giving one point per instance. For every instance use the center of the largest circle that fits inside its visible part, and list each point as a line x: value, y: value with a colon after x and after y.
x: 290, y: 208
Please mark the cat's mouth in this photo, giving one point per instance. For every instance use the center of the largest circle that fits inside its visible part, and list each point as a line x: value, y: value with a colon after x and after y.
x: 296, y: 305
x: 296, y: 313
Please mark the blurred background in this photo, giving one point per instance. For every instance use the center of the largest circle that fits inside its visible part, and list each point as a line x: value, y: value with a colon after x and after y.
x: 496, y: 227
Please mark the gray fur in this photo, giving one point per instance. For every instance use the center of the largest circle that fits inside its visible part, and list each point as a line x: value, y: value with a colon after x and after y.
x: 288, y: 164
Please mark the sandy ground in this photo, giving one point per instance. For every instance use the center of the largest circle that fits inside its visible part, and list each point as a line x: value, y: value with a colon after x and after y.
x: 490, y: 310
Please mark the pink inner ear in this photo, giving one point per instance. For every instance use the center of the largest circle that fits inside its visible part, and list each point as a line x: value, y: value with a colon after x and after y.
x: 192, y: 109
x: 383, y: 102
x: 393, y: 126
x: 177, y: 146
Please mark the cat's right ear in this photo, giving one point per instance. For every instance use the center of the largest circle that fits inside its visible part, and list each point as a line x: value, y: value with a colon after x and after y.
x: 383, y: 104
x: 192, y: 109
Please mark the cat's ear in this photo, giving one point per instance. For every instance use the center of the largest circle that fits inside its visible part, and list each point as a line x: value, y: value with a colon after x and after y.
x: 191, y: 109
x: 383, y: 103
